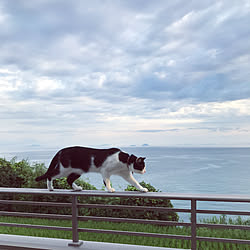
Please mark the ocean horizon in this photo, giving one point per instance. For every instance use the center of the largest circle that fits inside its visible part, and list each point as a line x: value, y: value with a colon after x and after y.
x: 193, y: 170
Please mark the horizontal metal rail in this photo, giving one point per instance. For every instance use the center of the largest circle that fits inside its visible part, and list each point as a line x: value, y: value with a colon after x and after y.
x: 35, y: 226
x: 140, y: 221
x: 223, y: 226
x: 223, y: 212
x: 35, y: 203
x: 129, y: 233
x: 128, y: 194
x: 75, y: 206
x: 36, y: 215
x: 122, y: 207
x: 224, y: 240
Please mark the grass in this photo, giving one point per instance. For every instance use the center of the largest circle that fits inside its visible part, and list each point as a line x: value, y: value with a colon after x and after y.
x: 149, y: 241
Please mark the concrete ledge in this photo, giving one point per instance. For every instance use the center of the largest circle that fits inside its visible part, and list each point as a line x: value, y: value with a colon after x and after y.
x: 17, y: 242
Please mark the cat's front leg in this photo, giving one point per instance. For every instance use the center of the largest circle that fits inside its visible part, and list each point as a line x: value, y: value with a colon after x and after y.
x: 130, y: 179
x: 76, y: 187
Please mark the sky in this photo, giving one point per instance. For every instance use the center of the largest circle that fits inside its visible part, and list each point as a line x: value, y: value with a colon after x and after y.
x: 124, y: 72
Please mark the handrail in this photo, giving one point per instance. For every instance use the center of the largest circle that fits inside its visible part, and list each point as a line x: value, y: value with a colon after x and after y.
x: 74, y: 205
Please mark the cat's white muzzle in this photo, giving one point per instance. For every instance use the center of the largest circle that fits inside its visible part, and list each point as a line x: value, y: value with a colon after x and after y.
x: 139, y: 171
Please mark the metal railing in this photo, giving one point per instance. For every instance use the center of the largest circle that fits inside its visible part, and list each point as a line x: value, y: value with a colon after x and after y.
x: 75, y: 206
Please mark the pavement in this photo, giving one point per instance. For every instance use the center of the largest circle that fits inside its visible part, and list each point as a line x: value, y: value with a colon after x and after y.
x: 18, y: 242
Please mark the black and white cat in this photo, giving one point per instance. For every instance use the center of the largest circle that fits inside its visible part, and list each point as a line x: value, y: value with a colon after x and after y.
x: 72, y: 162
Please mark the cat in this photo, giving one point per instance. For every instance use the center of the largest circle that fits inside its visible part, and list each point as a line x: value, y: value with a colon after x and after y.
x: 72, y: 162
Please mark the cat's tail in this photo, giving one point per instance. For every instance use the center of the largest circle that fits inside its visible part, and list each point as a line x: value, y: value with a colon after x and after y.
x: 42, y: 177
x: 51, y: 168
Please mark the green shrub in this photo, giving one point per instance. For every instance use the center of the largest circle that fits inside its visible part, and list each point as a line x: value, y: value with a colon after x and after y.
x: 22, y: 175
x: 14, y: 174
x: 135, y: 214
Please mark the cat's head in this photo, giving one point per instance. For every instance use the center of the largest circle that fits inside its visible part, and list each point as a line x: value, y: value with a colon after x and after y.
x: 139, y: 165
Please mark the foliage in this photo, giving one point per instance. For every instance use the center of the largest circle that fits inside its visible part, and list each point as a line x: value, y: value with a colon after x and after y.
x: 150, y: 202
x: 145, y: 185
x: 22, y: 175
x: 125, y: 213
x: 15, y: 174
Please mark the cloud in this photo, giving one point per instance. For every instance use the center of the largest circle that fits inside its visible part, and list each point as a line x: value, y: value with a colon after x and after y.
x: 169, y: 54
x: 155, y: 67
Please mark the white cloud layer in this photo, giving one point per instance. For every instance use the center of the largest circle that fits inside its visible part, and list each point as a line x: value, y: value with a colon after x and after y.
x: 124, y: 72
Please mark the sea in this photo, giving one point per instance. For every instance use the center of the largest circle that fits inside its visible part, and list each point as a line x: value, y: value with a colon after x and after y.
x: 178, y: 170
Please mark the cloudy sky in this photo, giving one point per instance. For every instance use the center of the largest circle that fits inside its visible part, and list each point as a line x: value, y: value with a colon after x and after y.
x: 128, y: 72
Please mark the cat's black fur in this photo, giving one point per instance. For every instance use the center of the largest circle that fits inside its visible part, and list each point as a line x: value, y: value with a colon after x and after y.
x: 73, y: 161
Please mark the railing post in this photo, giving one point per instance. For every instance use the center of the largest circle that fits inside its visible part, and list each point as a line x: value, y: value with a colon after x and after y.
x: 75, y: 237
x: 193, y: 224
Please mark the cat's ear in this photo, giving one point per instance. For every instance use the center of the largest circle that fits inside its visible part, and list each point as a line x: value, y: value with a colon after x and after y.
x: 140, y: 159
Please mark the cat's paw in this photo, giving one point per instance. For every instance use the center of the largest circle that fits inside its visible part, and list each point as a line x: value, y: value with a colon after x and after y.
x: 144, y: 190
x: 111, y: 190
x: 76, y: 188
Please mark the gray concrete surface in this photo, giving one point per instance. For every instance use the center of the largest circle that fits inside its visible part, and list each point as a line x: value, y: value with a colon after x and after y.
x: 17, y: 242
